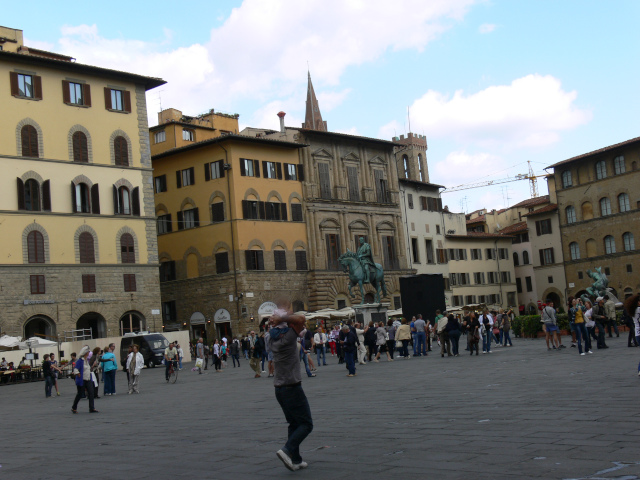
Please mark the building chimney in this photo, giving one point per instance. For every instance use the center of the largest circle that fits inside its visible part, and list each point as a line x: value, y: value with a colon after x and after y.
x: 281, y: 115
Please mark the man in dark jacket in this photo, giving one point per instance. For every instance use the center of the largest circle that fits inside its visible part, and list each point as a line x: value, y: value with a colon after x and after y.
x: 600, y: 318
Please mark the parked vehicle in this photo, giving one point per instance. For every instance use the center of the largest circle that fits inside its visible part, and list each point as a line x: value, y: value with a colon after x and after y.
x: 151, y: 346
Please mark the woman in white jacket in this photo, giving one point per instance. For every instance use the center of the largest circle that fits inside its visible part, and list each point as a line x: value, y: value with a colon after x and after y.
x: 135, y: 362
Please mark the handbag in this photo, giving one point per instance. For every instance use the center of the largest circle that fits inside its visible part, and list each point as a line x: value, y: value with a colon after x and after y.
x: 94, y: 379
x: 199, y: 363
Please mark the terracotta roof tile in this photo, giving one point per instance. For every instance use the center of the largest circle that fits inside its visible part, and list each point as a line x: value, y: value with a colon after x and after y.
x: 530, y: 202
x: 515, y: 228
x: 479, y: 235
x: 549, y: 208
x: 479, y: 219
x: 596, y: 152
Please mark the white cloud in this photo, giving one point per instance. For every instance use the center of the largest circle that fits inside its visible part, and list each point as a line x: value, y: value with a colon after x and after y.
x: 532, y: 111
x: 486, y: 28
x: 261, y: 50
x: 461, y: 167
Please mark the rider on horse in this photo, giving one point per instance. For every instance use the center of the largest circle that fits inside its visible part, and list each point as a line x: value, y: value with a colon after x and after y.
x: 366, y: 260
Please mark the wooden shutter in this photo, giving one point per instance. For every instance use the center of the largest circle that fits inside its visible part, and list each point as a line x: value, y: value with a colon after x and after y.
x: 74, y: 200
x: 552, y: 257
x: 86, y: 90
x: 265, y: 171
x: 352, y: 179
x: 245, y: 209
x: 221, y: 168
x: 301, y: 260
x: 179, y: 179
x: 279, y: 170
x: 180, y: 221
x: 116, y: 210
x: 121, y: 151
x: 283, y: 211
x: 300, y: 169
x: 135, y: 201
x: 268, y: 211
x: 66, y: 97
x: 256, y: 168
x: 80, y: 147
x: 37, y: 87
x: 207, y: 172
x: 46, y: 196
x: 439, y: 204
x: 13, y: 80
x: 107, y: 98
x: 541, y: 257
x: 260, y: 258
x: 192, y: 175
x: 127, y: 248
x: 262, y: 214
x: 538, y: 228
x: 127, y: 101
x: 29, y: 138
x: 95, y: 199
x: 549, y: 225
x: 280, y: 259
x: 196, y: 217
x: 86, y: 247
x: 222, y: 262
x: 217, y: 212
x: 325, y: 180
x: 21, y: 202
x: 286, y: 171
x: 35, y: 247
x: 249, y: 257
x: 169, y: 223
x: 243, y: 170
x: 423, y: 203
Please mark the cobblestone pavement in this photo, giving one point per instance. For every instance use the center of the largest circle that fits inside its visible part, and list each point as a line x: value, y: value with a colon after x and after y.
x: 518, y: 413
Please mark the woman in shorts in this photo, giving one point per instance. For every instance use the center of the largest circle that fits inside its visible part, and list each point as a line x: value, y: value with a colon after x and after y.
x: 381, y: 342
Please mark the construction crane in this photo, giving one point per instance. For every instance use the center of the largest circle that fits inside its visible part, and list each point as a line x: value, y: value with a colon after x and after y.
x: 533, y: 182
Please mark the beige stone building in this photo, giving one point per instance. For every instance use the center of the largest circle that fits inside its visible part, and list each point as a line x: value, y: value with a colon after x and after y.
x: 77, y: 217
x: 598, y: 203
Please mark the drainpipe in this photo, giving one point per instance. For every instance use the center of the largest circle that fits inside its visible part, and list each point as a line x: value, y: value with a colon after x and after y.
x: 499, y: 272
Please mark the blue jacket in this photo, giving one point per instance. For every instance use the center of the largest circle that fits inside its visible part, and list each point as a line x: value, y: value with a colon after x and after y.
x: 109, y: 362
x: 80, y: 368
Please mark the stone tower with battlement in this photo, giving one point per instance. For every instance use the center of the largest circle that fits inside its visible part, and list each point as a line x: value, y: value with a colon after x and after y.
x: 411, y: 157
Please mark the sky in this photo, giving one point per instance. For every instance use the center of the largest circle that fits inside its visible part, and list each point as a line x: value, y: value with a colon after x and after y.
x: 492, y: 84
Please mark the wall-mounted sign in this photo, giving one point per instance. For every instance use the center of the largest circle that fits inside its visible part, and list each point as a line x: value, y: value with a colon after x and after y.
x: 266, y: 309
x: 90, y: 300
x: 222, y: 315
x: 197, y: 318
x: 249, y: 295
x: 571, y: 285
x: 38, y: 302
x: 231, y: 298
x: 155, y: 312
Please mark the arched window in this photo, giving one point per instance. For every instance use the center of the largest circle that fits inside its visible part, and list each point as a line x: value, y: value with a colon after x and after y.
x: 123, y: 201
x: 525, y: 257
x: 566, y: 179
x: 605, y: 206
x: 421, y: 168
x: 80, y: 147
x: 618, y: 165
x: 587, y: 211
x: 29, y: 137
x: 405, y: 164
x: 591, y: 248
x: 601, y: 170
x: 32, y: 195
x: 609, y: 244
x: 121, y: 151
x: 86, y: 247
x: 623, y: 202
x: 629, y: 242
x: 82, y: 202
x: 127, y: 249
x: 574, y: 250
x: 35, y: 247
x: 516, y: 261
x: 571, y: 214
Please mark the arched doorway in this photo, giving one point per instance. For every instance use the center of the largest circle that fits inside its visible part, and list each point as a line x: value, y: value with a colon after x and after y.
x: 40, y: 326
x: 297, y: 306
x: 132, y: 322
x: 555, y: 298
x: 95, y: 322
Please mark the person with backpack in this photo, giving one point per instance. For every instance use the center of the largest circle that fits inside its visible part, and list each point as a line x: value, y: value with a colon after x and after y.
x: 234, y: 350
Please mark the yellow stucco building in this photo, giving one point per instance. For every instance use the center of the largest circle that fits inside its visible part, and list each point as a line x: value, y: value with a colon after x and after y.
x: 231, y: 232
x: 77, y: 220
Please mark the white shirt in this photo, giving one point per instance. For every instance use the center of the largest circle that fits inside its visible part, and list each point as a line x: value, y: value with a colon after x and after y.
x: 481, y: 319
x: 636, y: 321
x: 216, y: 349
x: 139, y: 365
x: 320, y: 338
x: 180, y: 352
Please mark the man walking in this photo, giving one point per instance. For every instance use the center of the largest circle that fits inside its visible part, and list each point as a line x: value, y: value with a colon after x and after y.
x: 288, y: 384
x: 421, y: 336
x: 199, y: 354
x: 349, y: 346
x: 598, y: 315
x: 610, y: 313
x: 135, y: 364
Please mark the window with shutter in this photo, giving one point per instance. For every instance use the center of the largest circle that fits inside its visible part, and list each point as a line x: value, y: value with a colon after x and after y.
x: 333, y: 250
x: 296, y: 212
x: 127, y: 248
x: 37, y: 284
x: 29, y: 138
x: 381, y: 186
x: 82, y: 201
x: 354, y: 189
x: 160, y: 183
x: 123, y: 199
x: 222, y: 262
x: 169, y: 311
x: 301, y: 260
x: 32, y: 195
x: 217, y: 212
x: 80, y: 147
x: 129, y: 282
x: 86, y: 247
x: 280, y: 259
x: 389, y: 253
x: 410, y: 201
x: 121, y: 151
x: 88, y: 283
x: 325, y: 180
x: 164, y: 223
x: 46, y: 196
x: 254, y: 259
x: 168, y: 271
x: 35, y: 247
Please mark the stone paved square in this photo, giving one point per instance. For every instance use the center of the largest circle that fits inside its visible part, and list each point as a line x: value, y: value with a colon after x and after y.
x: 518, y: 413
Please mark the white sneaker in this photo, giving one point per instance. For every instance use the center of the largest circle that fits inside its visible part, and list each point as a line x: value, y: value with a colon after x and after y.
x: 484, y: 353
x: 300, y: 466
x: 589, y: 351
x: 286, y: 459
x: 583, y: 354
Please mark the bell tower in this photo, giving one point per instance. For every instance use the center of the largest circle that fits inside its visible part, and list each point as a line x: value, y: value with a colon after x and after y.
x: 411, y: 157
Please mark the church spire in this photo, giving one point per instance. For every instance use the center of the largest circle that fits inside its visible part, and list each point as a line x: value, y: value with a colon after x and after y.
x: 313, y: 118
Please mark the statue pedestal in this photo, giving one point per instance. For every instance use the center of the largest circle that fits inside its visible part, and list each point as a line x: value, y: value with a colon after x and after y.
x: 376, y: 312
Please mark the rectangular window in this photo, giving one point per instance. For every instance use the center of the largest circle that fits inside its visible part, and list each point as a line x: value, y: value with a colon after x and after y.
x: 37, y: 284
x: 325, y: 180
x: 290, y: 171
x: 441, y: 254
x: 410, y: 201
x: 580, y: 275
x: 490, y: 254
x: 607, y: 271
x: 397, y: 302
x: 251, y: 209
x: 254, y: 259
x: 543, y: 227
x: 352, y: 181
x: 546, y: 256
x: 269, y: 170
x: 333, y: 250
x: 519, y: 285
x: 160, y: 137
x: 478, y: 278
x: 164, y: 223
x: 189, y: 218
x: 429, y: 247
x: 503, y: 253
x: 389, y: 253
x: 25, y: 85
x: 506, y: 277
x: 280, y: 259
x: 529, y: 284
x: 273, y: 211
x: 249, y: 168
x: 415, y: 251
x: 222, y: 262
x: 381, y: 186
x: 186, y: 177
x: 76, y: 93
x: 188, y: 135
x: 296, y: 212
x: 446, y: 283
x: 476, y: 254
x: 117, y: 100
x: 129, y: 282
x: 217, y: 212
x: 168, y: 271
x: 88, y: 283
x: 470, y: 299
x: 438, y: 229
x: 214, y: 170
x: 550, y: 279
x: 301, y: 260
x: 453, y: 279
x: 169, y: 311
x: 342, y: 304
x: 160, y: 183
x: 629, y: 268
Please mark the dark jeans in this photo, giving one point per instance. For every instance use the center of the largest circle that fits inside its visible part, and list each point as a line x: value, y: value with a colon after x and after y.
x: 391, y: 346
x: 405, y: 348
x: 611, y: 324
x: 49, y: 382
x: 88, y: 384
x: 506, y: 337
x: 217, y: 362
x: 298, y: 414
x: 632, y: 337
x: 421, y: 339
x: 351, y: 363
x: 236, y: 358
x: 109, y: 381
x: 454, y: 336
x: 600, y: 328
x: 166, y: 369
x: 581, y: 332
x: 373, y: 350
